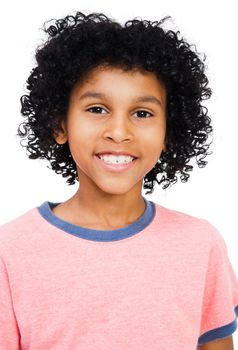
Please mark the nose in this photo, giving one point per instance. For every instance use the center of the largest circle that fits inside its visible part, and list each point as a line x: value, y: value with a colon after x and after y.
x: 118, y: 129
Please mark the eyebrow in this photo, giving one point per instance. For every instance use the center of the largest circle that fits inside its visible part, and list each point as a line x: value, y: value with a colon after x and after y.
x: 147, y: 98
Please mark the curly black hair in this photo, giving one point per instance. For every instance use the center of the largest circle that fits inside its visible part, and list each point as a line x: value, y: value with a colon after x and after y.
x: 79, y: 43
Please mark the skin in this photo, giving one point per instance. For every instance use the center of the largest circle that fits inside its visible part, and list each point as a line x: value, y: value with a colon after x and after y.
x: 223, y: 344
x: 107, y: 200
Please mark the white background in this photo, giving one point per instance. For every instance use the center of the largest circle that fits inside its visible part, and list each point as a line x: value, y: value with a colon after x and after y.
x: 211, y: 192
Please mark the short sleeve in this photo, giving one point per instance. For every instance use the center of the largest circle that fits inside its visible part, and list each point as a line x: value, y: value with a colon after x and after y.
x: 220, y: 298
x: 9, y: 334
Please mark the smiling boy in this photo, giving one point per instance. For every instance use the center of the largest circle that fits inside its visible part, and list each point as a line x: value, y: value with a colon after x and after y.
x: 115, y: 108
x: 111, y: 115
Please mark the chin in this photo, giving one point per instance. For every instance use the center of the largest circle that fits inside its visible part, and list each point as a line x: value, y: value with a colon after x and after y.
x: 116, y: 189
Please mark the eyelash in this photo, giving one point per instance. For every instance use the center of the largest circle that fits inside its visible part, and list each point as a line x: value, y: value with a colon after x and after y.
x: 97, y: 107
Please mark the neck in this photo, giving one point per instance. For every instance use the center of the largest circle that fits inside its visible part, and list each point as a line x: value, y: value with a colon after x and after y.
x: 102, y: 210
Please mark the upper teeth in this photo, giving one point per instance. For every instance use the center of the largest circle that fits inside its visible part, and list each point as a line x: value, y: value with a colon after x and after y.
x: 112, y: 159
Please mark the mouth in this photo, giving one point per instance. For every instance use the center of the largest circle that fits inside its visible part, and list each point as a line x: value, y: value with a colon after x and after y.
x: 114, y: 166
x: 100, y: 157
x: 116, y: 154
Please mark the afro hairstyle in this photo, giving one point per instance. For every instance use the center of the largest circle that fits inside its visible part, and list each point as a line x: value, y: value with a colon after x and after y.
x: 79, y: 43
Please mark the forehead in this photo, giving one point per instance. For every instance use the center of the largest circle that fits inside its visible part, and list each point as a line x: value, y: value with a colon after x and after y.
x: 113, y: 79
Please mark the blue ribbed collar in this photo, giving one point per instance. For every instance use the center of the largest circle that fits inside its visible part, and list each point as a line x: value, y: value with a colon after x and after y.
x: 99, y: 235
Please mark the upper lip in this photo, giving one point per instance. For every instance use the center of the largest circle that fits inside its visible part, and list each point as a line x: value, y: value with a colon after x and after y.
x: 116, y: 153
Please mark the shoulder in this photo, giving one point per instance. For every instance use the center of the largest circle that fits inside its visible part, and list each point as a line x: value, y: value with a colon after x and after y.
x: 188, y: 226
x: 18, y: 229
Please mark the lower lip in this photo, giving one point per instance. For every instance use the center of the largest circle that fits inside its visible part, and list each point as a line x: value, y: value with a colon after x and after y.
x: 116, y: 168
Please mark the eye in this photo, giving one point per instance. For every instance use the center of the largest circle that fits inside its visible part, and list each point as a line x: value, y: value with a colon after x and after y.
x: 96, y: 110
x: 99, y: 110
x: 142, y: 114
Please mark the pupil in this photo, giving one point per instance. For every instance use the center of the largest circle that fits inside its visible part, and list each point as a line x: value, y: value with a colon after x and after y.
x: 142, y: 113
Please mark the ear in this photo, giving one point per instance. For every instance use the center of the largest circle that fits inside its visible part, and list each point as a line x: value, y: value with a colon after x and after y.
x: 61, y: 136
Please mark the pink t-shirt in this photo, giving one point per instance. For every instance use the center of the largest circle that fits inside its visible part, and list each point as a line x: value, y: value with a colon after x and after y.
x: 162, y: 282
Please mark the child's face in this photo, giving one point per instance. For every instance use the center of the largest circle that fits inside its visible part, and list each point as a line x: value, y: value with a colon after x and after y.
x: 115, y: 121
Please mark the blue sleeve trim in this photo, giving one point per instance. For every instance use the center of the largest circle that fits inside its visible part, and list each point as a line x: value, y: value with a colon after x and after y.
x: 219, y: 333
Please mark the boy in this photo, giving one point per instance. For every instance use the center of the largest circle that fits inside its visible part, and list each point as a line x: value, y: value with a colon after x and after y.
x: 112, y: 106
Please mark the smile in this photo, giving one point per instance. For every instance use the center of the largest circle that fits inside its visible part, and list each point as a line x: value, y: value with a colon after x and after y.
x: 113, y: 159
x: 115, y: 163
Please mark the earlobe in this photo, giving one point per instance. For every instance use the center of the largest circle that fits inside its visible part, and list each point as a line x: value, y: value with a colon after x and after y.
x: 61, y: 136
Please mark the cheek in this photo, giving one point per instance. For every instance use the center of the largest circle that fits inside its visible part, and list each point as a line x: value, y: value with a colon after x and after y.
x: 153, y: 147
x: 154, y: 139
x: 82, y: 143
x: 80, y: 132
